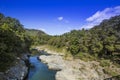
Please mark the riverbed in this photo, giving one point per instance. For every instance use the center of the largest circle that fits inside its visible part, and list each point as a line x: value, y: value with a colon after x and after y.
x: 39, y: 70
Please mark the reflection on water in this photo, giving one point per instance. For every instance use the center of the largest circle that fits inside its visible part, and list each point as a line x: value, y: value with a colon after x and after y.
x: 39, y: 71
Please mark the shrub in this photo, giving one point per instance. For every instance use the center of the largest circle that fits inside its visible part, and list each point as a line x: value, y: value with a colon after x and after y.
x: 85, y: 56
x: 110, y: 72
x: 105, y: 63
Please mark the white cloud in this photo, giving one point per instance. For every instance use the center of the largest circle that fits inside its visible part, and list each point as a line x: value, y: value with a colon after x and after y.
x: 99, y: 16
x: 42, y: 29
x: 60, y: 18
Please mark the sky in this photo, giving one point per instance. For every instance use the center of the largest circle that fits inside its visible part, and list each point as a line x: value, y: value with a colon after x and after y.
x: 56, y: 17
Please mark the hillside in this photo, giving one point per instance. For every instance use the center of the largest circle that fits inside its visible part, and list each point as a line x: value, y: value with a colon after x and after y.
x: 95, y: 51
x: 102, y: 41
x: 14, y: 48
x: 37, y: 36
x: 13, y: 41
x: 34, y: 32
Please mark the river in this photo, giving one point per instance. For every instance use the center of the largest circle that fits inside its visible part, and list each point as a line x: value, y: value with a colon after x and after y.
x: 39, y: 70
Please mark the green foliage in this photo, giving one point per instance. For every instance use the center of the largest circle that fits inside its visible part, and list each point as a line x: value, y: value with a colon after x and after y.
x: 111, y: 72
x: 13, y: 41
x: 100, y: 41
x: 117, y: 47
x: 74, y: 49
x: 85, y: 56
x: 105, y: 63
x: 6, y: 60
x: 37, y: 37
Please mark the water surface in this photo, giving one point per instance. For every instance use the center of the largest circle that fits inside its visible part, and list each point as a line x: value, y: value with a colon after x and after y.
x: 40, y: 71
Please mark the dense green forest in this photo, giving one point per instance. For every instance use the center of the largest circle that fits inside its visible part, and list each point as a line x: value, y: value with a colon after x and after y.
x: 102, y: 41
x: 38, y: 37
x: 13, y: 41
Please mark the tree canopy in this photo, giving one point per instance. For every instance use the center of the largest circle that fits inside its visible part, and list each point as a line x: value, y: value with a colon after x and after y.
x: 13, y: 41
x: 102, y: 41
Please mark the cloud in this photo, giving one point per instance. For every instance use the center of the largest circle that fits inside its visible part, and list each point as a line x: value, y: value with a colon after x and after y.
x: 60, y: 18
x: 105, y: 14
x: 99, y: 16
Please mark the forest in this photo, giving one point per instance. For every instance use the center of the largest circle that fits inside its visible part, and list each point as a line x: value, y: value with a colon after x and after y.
x: 13, y: 41
x: 101, y: 41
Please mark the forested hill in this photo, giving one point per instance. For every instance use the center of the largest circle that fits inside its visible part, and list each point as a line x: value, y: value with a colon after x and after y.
x: 101, y: 41
x: 34, y: 32
x: 37, y: 36
x: 113, y: 22
x: 13, y: 41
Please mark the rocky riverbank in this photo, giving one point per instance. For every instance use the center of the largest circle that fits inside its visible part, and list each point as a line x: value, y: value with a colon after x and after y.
x: 74, y: 69
x: 17, y: 72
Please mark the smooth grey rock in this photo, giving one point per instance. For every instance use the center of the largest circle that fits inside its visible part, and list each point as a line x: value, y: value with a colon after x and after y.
x: 17, y: 72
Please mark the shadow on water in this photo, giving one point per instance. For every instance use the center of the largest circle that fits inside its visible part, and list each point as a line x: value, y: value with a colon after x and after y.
x: 39, y: 70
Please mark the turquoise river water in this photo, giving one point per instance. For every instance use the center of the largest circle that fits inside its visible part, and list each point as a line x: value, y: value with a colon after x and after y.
x: 40, y: 71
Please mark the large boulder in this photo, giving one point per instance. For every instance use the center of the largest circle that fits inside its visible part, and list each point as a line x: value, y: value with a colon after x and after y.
x: 54, y: 62
x: 18, y: 71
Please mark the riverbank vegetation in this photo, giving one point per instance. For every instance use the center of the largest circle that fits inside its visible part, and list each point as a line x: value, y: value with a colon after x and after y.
x: 101, y: 44
x: 13, y: 41
x: 102, y: 41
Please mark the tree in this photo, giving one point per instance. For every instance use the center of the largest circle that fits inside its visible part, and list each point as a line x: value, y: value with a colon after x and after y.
x: 13, y: 41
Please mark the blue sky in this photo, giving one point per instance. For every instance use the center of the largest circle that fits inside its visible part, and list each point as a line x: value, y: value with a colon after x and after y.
x: 60, y: 16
